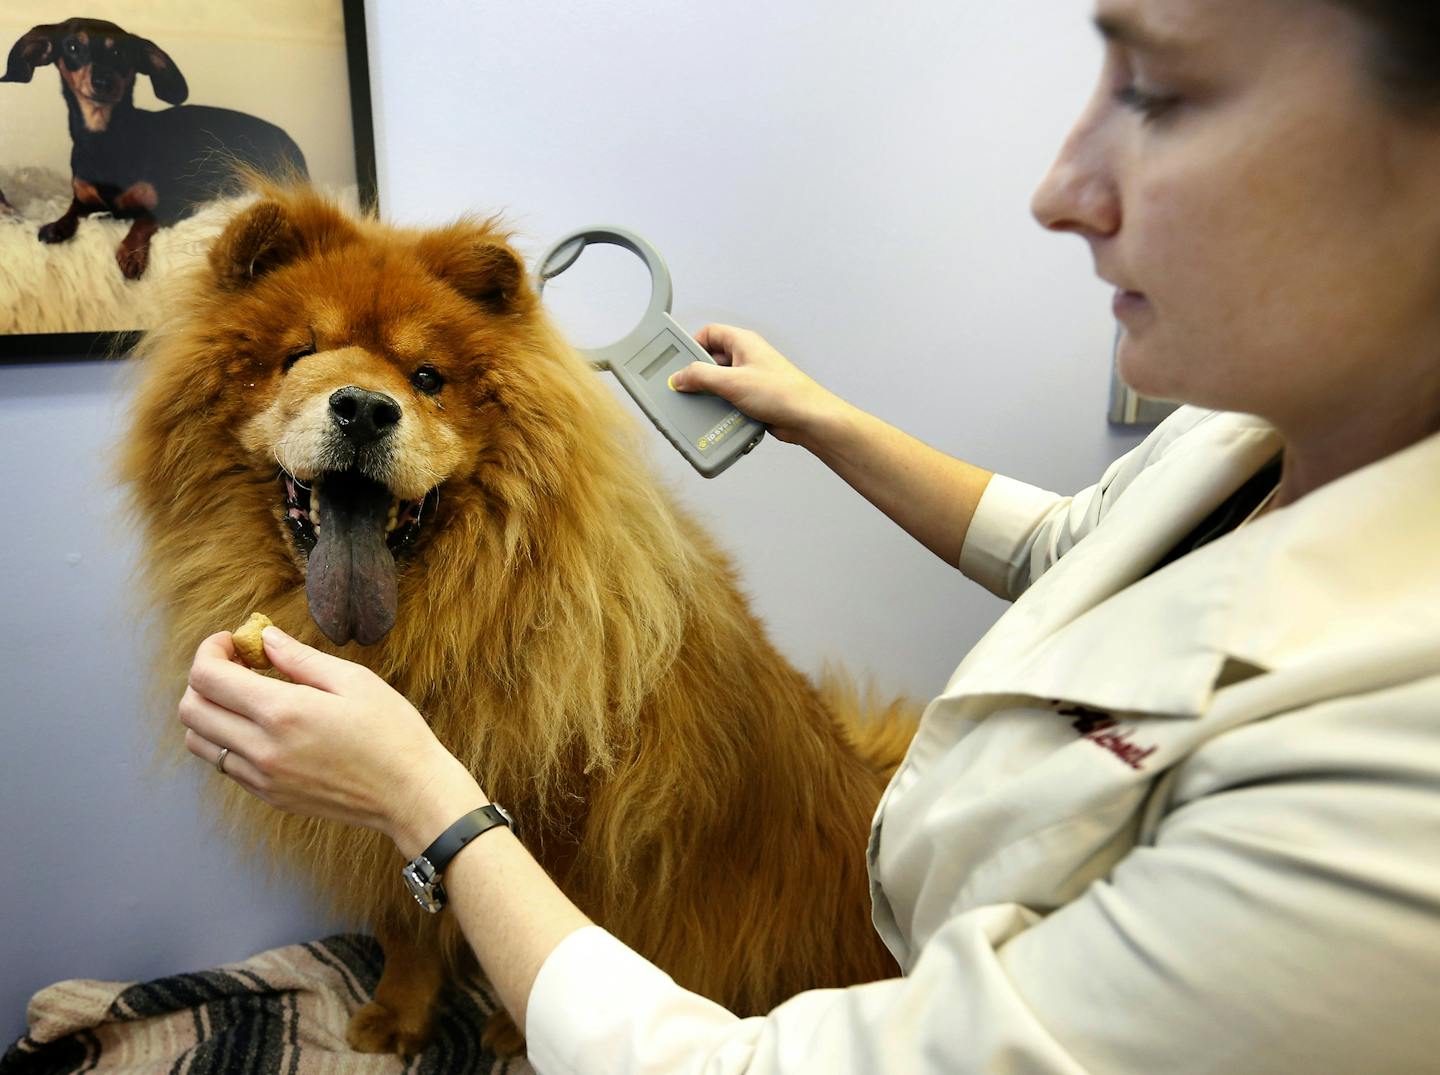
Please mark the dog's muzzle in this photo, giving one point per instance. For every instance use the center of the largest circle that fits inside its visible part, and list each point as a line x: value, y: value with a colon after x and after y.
x: 348, y: 525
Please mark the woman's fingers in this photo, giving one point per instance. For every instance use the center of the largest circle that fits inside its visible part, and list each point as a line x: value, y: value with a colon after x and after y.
x: 232, y: 686
x: 237, y: 766
x: 215, y: 724
x: 725, y: 343
x: 703, y: 377
x: 305, y: 664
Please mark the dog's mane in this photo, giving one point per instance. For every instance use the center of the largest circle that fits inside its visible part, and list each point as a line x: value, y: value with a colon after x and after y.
x: 559, y: 587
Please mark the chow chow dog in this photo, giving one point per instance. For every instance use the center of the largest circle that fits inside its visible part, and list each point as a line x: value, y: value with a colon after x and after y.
x: 376, y: 436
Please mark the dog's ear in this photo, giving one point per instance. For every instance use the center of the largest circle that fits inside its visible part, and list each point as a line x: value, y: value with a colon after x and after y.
x: 477, y: 264
x: 256, y: 242
x: 37, y: 48
x: 274, y: 232
x: 165, y: 77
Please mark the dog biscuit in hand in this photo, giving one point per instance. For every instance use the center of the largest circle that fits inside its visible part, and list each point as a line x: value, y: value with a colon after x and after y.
x: 248, y: 644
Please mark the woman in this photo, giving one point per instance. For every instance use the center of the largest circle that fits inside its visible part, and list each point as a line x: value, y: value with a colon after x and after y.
x: 1175, y: 812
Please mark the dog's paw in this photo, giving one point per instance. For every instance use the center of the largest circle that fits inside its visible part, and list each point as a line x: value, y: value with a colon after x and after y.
x: 132, y: 260
x: 501, y: 1036
x: 57, y: 231
x: 377, y: 1029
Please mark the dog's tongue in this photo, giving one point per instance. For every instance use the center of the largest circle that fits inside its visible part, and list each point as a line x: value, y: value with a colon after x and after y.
x: 350, y: 579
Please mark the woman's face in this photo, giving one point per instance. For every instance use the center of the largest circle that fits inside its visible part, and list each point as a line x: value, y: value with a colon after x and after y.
x: 1274, y: 225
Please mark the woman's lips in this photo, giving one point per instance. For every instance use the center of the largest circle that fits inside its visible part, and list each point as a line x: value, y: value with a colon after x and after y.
x: 1129, y: 303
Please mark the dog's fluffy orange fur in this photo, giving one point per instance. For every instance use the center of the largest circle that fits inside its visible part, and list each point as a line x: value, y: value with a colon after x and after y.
x: 570, y: 634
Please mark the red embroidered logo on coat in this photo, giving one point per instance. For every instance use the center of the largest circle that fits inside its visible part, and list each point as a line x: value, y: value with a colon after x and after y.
x: 1098, y: 728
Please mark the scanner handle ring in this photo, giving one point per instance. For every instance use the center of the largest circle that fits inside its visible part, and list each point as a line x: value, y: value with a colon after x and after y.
x: 567, y: 249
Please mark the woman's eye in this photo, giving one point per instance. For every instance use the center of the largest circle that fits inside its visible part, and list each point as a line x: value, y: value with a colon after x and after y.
x: 295, y: 356
x: 1151, y: 106
x: 427, y: 380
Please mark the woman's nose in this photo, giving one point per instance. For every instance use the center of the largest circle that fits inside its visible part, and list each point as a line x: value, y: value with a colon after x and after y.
x: 1079, y: 193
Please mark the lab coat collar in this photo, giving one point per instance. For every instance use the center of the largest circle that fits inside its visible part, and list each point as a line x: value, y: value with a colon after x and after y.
x: 1350, y: 564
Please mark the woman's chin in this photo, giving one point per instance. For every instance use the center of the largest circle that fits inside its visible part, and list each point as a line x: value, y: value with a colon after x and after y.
x: 1151, y: 372
x: 1137, y: 371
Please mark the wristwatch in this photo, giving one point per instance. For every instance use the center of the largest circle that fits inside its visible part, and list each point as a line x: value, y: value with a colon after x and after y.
x: 422, y: 873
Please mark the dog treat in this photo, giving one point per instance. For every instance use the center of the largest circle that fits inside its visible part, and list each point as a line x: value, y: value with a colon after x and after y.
x: 248, y: 643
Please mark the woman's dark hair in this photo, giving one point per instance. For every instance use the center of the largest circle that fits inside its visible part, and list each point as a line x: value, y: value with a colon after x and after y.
x: 1405, y: 49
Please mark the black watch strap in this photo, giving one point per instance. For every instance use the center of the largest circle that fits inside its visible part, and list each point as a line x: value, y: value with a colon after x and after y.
x: 473, y: 824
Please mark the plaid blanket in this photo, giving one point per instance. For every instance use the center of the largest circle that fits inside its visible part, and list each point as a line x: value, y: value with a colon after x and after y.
x: 282, y: 1011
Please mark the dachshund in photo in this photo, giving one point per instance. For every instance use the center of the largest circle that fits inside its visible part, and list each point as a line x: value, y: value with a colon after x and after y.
x: 153, y: 168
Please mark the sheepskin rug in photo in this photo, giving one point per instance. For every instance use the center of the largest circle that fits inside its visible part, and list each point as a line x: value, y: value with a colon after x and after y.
x: 77, y: 286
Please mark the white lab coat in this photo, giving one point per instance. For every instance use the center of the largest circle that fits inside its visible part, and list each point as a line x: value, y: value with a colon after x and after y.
x: 1189, y: 823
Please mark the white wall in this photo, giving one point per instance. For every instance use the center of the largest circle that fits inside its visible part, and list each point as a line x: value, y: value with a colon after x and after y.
x: 852, y: 184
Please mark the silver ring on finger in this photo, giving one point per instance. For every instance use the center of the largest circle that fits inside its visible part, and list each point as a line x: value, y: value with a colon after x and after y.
x: 220, y: 759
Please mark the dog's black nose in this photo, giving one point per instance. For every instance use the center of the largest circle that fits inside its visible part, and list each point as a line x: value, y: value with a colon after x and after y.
x: 363, y: 416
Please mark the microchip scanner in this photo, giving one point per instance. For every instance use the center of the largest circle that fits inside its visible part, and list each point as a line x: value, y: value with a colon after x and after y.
x: 709, y: 432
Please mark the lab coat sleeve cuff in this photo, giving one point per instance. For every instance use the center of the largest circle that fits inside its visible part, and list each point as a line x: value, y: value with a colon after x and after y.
x: 595, y: 1003
x: 1002, y: 531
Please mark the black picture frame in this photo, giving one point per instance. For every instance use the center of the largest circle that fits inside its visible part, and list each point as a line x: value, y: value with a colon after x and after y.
x: 34, y: 348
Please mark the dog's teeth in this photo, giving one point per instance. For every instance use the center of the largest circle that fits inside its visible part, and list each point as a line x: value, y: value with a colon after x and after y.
x: 315, y: 517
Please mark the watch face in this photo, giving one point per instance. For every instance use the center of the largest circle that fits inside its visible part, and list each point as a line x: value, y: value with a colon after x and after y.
x: 420, y: 880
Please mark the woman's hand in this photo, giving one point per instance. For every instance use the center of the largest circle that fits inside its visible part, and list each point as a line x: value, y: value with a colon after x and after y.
x: 336, y: 742
x: 761, y: 382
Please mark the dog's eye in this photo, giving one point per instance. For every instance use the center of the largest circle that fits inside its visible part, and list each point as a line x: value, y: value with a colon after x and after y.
x: 295, y: 356
x: 427, y: 380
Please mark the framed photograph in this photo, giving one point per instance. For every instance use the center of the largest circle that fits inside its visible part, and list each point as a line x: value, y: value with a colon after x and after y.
x: 120, y: 131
